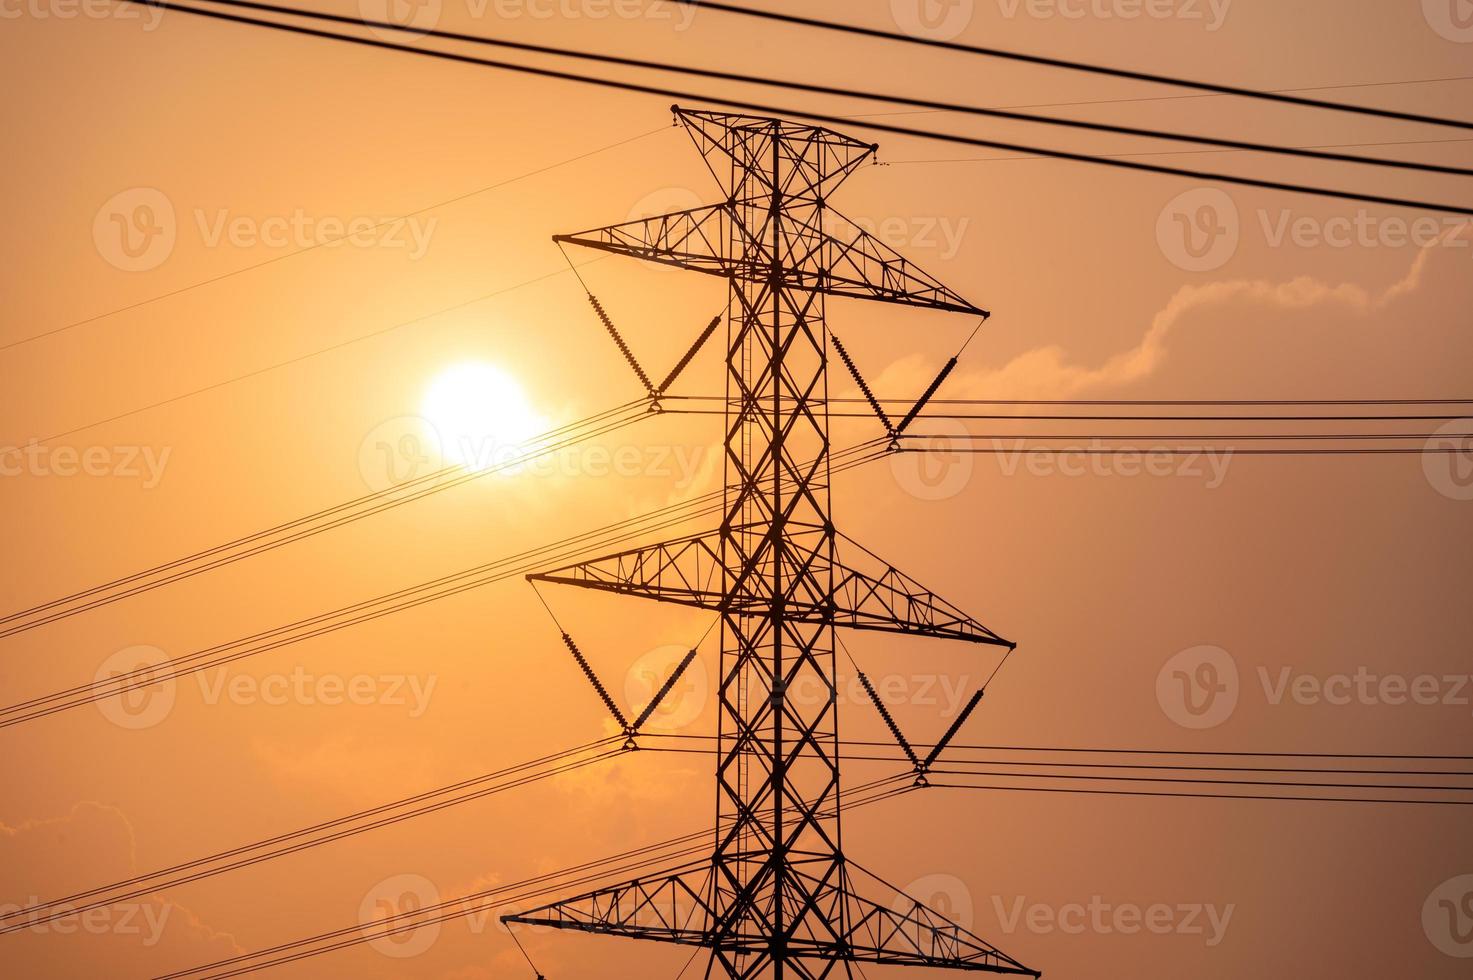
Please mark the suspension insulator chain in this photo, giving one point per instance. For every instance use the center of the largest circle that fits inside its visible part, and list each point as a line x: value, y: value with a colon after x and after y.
x: 623, y: 347
x: 700, y: 342
x: 597, y: 684
x: 854, y: 373
x: 894, y: 728
x: 956, y: 726
x: 921, y: 402
x: 649, y: 709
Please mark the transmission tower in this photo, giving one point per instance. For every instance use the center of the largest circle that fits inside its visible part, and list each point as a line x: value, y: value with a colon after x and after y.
x: 777, y: 897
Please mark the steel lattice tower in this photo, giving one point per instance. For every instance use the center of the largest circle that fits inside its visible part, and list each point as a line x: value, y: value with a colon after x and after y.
x: 777, y: 897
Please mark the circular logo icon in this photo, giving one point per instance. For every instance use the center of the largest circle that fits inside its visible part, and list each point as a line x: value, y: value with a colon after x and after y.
x: 135, y: 230
x: 946, y: 895
x: 666, y: 200
x: 1199, y: 230
x: 934, y: 20
x: 409, y: 18
x: 682, y: 704
x: 1448, y: 461
x: 399, y: 450
x: 400, y: 896
x: 1198, y: 688
x: 1447, y: 917
x: 142, y: 701
x: 934, y: 466
x: 1451, y: 19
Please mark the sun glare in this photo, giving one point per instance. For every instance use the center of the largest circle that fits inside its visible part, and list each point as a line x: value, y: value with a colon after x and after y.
x: 479, y: 415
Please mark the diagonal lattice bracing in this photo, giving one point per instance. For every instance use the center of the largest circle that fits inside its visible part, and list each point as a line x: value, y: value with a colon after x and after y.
x: 869, y: 594
x: 680, y: 906
x: 775, y: 898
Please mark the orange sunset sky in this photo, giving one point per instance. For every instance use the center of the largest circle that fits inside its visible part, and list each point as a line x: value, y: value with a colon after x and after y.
x: 291, y: 386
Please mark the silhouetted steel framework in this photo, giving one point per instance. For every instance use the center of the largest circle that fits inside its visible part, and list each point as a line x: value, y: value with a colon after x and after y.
x: 777, y: 897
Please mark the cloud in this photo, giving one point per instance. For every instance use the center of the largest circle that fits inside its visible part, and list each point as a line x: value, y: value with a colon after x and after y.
x: 94, y: 844
x: 1303, y: 338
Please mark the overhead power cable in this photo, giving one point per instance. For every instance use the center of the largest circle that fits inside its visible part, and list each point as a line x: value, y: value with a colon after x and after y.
x: 1199, y: 778
x: 832, y: 90
x: 1214, y: 88
x: 828, y: 118
x: 1169, y: 794
x: 388, y: 814
x: 417, y: 488
x: 326, y: 241
x: 372, y: 334
x: 500, y: 896
x: 1185, y: 451
x: 1153, y: 402
x: 1111, y: 751
x: 569, y: 549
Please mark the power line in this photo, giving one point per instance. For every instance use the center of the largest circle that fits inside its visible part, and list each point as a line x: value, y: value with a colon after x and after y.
x: 1032, y: 417
x: 491, y: 898
x: 480, y: 787
x: 1173, y: 451
x: 1178, y: 753
x: 817, y: 89
x: 1047, y: 62
x: 297, y: 360
x: 1121, y: 164
x: 327, y: 241
x: 1138, y: 767
x: 1266, y: 783
x: 973, y: 771
x: 303, y: 527
x: 368, y: 610
x: 1200, y: 796
x: 1175, y: 153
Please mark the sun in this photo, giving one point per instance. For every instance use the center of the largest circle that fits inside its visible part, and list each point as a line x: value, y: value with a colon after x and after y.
x: 479, y: 415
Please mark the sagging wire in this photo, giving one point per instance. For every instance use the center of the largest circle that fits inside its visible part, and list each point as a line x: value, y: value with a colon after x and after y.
x: 652, y: 391
x: 893, y: 430
x: 922, y: 767
x: 629, y: 729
